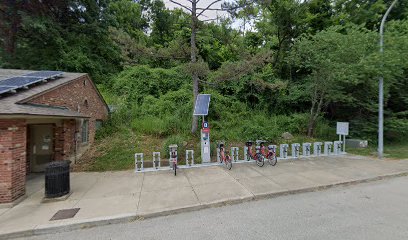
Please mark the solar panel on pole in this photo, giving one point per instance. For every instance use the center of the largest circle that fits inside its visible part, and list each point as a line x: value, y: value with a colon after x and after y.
x: 202, y: 104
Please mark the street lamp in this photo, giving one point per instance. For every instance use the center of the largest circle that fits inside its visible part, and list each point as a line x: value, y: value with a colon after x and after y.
x: 381, y: 87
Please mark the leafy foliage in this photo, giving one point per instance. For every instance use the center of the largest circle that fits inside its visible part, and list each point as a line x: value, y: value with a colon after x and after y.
x: 272, y: 66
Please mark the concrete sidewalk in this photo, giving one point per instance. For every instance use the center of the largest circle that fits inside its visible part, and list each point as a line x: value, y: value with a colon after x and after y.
x: 112, y: 197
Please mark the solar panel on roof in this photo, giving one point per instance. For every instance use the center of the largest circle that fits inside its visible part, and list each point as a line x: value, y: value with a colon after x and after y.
x: 5, y: 89
x: 45, y: 74
x: 202, y: 104
x: 27, y: 80
x: 20, y: 81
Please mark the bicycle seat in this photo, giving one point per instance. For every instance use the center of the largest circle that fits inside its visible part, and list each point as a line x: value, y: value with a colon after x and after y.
x: 220, y: 144
x: 258, y: 142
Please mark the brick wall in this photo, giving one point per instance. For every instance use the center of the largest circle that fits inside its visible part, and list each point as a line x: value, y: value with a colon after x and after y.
x: 78, y: 95
x: 13, y: 134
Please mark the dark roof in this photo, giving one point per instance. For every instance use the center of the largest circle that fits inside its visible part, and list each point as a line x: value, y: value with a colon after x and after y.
x: 15, y: 104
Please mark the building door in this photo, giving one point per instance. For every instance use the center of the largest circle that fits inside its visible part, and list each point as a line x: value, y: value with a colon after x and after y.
x: 41, y: 146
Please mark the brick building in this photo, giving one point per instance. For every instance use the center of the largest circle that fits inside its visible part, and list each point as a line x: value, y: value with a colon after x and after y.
x: 51, y: 120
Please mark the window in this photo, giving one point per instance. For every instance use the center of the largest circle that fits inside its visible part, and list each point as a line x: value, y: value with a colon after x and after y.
x: 85, y: 131
x: 86, y: 104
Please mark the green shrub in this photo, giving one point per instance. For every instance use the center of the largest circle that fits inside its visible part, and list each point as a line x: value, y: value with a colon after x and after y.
x: 137, y: 82
x: 396, y: 129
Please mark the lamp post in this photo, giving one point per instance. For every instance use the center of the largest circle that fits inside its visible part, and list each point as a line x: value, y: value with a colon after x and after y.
x: 381, y: 87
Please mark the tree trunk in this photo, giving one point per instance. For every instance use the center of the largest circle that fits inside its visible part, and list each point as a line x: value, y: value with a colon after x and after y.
x: 194, y: 123
x: 10, y: 27
x: 310, y: 127
x: 314, y: 113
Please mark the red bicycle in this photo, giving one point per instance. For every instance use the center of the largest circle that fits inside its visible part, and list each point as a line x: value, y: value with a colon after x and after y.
x: 258, y: 157
x: 270, y: 155
x: 224, y: 156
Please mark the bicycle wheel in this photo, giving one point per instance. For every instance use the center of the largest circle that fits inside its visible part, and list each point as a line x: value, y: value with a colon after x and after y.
x: 272, y: 159
x: 228, y: 162
x: 260, y: 160
x: 175, y: 169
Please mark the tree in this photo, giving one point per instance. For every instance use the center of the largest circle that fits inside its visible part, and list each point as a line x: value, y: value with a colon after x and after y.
x: 338, y: 63
x: 195, y: 12
x: 64, y: 35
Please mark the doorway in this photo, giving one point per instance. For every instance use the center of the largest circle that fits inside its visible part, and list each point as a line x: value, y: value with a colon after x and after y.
x: 41, y: 144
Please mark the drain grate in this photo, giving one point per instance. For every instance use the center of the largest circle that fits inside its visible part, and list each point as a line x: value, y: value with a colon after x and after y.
x: 64, y: 214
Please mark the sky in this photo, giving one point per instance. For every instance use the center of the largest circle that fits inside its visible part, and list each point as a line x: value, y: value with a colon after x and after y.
x: 202, y: 4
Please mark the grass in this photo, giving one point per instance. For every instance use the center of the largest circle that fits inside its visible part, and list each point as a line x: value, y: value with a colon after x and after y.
x: 396, y: 151
x: 116, y: 152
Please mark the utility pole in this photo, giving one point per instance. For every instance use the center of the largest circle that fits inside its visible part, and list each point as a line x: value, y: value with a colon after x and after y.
x: 381, y: 87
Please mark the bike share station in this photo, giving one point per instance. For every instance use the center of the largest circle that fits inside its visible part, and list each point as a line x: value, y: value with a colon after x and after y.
x: 296, y: 150
x: 200, y: 109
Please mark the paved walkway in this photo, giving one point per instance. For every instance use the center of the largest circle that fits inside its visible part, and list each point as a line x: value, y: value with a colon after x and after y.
x: 110, y: 197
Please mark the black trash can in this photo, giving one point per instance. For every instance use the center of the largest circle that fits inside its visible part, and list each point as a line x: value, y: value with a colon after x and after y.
x: 57, y: 179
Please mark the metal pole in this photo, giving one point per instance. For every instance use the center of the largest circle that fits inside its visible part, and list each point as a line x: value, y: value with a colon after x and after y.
x: 381, y: 87
x: 344, y: 143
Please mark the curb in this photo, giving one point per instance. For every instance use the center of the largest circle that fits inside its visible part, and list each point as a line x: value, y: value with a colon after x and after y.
x: 89, y: 223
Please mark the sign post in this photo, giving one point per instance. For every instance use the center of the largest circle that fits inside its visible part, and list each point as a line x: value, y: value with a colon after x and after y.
x: 343, y: 131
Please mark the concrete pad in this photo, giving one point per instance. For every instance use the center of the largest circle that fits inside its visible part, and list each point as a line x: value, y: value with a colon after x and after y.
x: 221, y: 191
x: 108, y: 206
x: 199, y: 176
x: 323, y: 177
x: 115, y: 186
x: 242, y: 171
x: 260, y: 185
x: 292, y: 181
x: 380, y: 167
x: 121, y: 174
x: 169, y: 199
x: 33, y: 199
x: 298, y: 166
x: 3, y: 210
x: 400, y: 165
x: 119, y: 194
x: 157, y: 182
x: 82, y: 183
x: 34, y: 183
x: 336, y: 162
x: 268, y: 170
x: 356, y: 173
x: 323, y: 164
x: 370, y: 168
x: 28, y: 216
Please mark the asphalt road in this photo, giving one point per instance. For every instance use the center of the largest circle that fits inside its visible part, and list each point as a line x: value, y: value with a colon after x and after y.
x: 377, y: 210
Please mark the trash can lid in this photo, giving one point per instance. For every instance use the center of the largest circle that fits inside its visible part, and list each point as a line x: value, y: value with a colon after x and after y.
x: 59, y: 163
